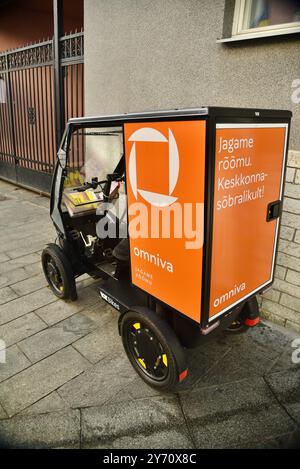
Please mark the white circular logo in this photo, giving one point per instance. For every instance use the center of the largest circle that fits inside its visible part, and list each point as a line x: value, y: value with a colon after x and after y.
x: 148, y: 134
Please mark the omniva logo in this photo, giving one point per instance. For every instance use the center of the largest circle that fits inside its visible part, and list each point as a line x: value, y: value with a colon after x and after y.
x: 148, y: 134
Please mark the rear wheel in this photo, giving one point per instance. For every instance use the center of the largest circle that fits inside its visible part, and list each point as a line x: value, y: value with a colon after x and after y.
x: 58, y: 272
x: 237, y: 327
x: 153, y: 348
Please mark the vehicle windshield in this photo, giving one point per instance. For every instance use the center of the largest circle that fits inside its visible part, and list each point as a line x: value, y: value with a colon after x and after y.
x: 93, y: 153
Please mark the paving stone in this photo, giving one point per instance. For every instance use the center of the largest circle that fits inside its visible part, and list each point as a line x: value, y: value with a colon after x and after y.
x: 29, y: 285
x: 51, y: 403
x: 285, y: 441
x: 234, y: 414
x: 102, y: 313
x: 253, y: 354
x: 32, y: 244
x: 147, y: 423
x: 286, y: 386
x: 27, y: 232
x: 7, y: 294
x: 241, y: 362
x: 61, y: 429
x: 54, y: 338
x: 100, y: 343
x: 138, y: 389
x: 3, y: 414
x: 20, y: 328
x: 15, y: 362
x: 99, y: 383
x: 41, y: 379
x: 203, y: 358
x: 284, y: 361
x: 29, y: 239
x: 34, y: 269
x: 19, y: 262
x: 13, y: 276
x: 26, y: 304
x: 271, y: 338
x: 4, y: 257
x: 59, y: 310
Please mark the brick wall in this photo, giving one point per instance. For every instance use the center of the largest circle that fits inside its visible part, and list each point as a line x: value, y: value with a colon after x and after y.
x: 281, y: 304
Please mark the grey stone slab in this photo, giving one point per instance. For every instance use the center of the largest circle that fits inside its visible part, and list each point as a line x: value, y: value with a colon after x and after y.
x: 25, y: 304
x: 54, y: 338
x: 20, y: 328
x: 101, y: 313
x: 268, y: 339
x: 284, y: 361
x: 138, y: 389
x: 285, y: 441
x: 286, y: 386
x: 24, y: 232
x: 12, y: 244
x: 34, y: 269
x: 51, y: 403
x: 234, y: 414
x: 7, y: 294
x: 59, y: 310
x: 36, y: 382
x: 100, y: 383
x: 147, y: 423
x: 19, y: 262
x: 27, y: 249
x: 100, y: 343
x: 60, y: 429
x: 203, y: 358
x: 4, y: 257
x: 245, y: 359
x: 13, y: 276
x: 88, y: 296
x: 29, y: 285
x: 3, y: 414
x: 15, y: 362
x: 31, y: 244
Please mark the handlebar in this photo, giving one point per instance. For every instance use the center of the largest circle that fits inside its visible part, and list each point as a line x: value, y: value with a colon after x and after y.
x: 95, y: 183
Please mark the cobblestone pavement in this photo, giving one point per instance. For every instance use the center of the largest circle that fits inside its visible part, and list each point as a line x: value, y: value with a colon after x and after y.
x: 67, y: 382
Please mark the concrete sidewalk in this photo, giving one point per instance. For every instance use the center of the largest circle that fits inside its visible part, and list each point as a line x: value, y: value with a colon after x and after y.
x: 68, y: 383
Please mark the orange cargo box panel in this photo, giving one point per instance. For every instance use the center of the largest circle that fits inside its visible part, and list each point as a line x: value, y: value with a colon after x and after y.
x: 248, y: 183
x: 165, y: 167
x: 204, y: 206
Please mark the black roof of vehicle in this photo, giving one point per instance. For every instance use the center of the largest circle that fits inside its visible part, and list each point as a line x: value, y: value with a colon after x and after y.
x: 178, y: 113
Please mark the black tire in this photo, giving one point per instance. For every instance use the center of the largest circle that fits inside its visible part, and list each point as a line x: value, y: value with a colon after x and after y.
x: 159, y: 343
x: 58, y: 272
x: 237, y: 327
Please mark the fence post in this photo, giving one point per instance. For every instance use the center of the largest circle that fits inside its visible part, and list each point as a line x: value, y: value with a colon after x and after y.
x: 11, y: 111
x: 58, y: 75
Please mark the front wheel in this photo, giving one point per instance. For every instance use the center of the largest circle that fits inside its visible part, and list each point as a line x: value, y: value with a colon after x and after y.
x: 58, y: 272
x: 153, y: 349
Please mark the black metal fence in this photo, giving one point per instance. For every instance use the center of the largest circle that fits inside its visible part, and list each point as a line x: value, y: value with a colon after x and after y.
x: 27, y: 107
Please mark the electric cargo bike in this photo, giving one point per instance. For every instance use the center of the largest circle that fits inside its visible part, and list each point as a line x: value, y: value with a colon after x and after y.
x: 178, y: 213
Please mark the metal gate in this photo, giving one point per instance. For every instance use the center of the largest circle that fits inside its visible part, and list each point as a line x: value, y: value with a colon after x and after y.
x: 27, y: 107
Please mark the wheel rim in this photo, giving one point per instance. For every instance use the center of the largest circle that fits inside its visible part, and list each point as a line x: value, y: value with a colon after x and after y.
x: 147, y: 351
x: 53, y: 275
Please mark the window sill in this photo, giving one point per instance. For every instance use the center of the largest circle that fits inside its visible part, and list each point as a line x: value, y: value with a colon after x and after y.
x: 258, y: 35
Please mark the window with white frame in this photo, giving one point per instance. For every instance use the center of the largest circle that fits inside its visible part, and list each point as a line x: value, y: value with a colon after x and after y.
x: 266, y: 17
